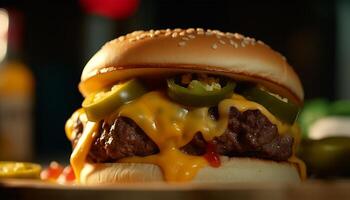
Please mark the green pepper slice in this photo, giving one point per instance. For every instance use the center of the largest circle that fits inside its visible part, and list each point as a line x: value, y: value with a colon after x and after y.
x: 197, y: 95
x: 285, y: 110
x: 101, y: 104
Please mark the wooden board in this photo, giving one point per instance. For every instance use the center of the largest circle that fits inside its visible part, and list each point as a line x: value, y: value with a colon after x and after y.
x: 30, y: 189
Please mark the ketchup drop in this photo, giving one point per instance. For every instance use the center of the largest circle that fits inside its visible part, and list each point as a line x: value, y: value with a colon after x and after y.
x: 52, y: 172
x: 212, y: 156
x: 68, y: 174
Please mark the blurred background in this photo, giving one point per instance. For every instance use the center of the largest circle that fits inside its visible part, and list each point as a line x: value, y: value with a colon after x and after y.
x: 44, y: 46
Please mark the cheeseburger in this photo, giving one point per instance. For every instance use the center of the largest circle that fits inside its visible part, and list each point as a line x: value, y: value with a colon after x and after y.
x: 186, y: 105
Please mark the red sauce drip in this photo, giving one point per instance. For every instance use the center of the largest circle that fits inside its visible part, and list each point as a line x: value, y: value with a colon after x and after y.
x: 212, y: 156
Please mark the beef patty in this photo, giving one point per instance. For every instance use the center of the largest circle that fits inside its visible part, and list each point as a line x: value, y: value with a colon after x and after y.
x: 249, y: 134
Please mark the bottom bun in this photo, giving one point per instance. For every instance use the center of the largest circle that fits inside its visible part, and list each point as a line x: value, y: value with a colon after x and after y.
x: 231, y: 170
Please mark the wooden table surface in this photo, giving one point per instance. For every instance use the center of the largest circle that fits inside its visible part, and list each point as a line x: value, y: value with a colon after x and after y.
x: 29, y: 189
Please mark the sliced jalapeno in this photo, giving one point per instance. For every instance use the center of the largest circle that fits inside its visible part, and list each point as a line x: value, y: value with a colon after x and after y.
x: 99, y: 105
x: 282, y: 108
x: 198, y: 93
x: 19, y: 170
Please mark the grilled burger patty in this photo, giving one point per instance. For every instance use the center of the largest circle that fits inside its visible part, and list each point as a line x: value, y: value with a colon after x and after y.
x: 249, y: 134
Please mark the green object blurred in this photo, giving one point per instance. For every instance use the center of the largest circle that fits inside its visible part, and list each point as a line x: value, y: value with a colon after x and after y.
x: 340, y: 108
x: 319, y: 108
x: 312, y: 111
x: 327, y: 157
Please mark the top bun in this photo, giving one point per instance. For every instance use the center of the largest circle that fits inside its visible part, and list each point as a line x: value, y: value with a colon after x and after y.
x: 165, y: 52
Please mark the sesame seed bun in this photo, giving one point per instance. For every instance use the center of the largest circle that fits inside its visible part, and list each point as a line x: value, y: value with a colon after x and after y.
x: 231, y: 170
x: 165, y: 52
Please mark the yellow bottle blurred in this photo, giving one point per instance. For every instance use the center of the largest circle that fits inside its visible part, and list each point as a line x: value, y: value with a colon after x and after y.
x: 16, y: 102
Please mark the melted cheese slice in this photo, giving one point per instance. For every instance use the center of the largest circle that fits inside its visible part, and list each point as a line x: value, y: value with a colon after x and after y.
x: 171, y: 126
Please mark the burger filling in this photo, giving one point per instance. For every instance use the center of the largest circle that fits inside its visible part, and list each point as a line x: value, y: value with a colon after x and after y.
x: 195, y: 120
x: 248, y: 134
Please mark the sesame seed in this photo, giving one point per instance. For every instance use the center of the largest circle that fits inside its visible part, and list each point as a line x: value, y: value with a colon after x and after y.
x: 246, y: 41
x: 238, y: 36
x: 217, y: 32
x: 177, y: 30
x: 181, y: 44
x: 167, y: 33
x: 132, y: 39
x: 174, y: 35
x: 222, y: 42
x: 191, y: 36
x: 142, y: 36
x: 214, y: 46
x: 168, y: 30
x: 135, y: 33
x: 260, y: 42
x: 121, y: 38
x: 243, y: 44
x: 151, y: 35
x: 200, y: 30
x: 229, y: 35
x: 233, y: 43
x: 185, y: 38
x: 151, y: 31
x: 208, y: 33
x: 157, y: 32
x: 250, y: 40
x: 182, y: 33
x: 218, y: 36
x: 190, y: 30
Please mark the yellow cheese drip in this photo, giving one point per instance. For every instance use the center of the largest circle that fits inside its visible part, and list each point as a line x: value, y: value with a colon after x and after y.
x: 300, y: 165
x: 176, y: 166
x: 80, y: 152
x: 171, y: 126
